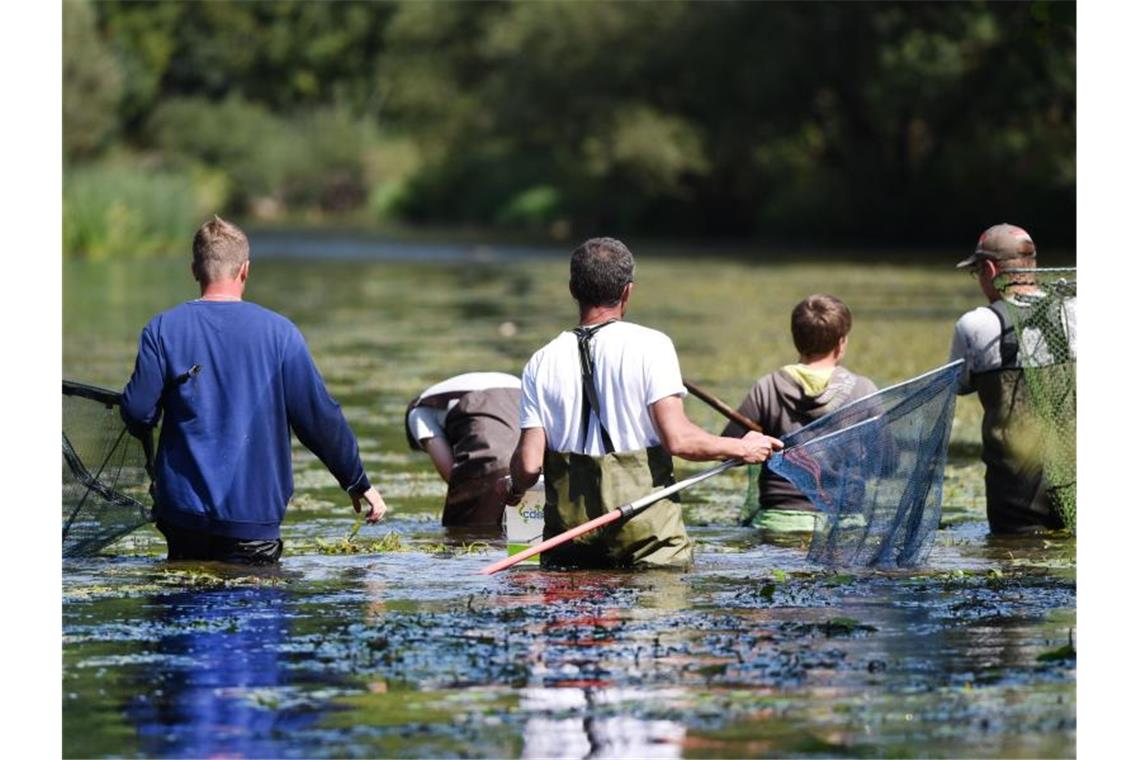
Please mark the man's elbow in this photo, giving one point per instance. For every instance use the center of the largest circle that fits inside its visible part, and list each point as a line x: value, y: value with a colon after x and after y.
x: 132, y: 417
x: 529, y: 464
x: 680, y: 445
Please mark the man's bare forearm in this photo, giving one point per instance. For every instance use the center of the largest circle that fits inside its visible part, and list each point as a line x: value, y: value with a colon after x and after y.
x: 526, y: 463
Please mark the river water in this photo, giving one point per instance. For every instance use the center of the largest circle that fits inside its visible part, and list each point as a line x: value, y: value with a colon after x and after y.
x: 392, y: 645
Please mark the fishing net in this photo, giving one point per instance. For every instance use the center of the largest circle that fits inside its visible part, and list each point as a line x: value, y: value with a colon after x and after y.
x: 106, y: 481
x: 1044, y: 323
x: 874, y: 470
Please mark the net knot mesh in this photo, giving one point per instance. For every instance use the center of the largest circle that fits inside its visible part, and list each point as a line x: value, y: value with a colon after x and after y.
x: 106, y: 480
x: 874, y: 470
x: 1044, y: 321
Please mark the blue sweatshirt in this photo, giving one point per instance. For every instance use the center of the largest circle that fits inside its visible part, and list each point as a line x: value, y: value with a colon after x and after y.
x: 223, y: 464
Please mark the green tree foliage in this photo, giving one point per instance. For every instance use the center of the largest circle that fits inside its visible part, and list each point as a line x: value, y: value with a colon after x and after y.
x: 282, y: 54
x: 92, y: 84
x: 885, y: 121
x: 902, y: 122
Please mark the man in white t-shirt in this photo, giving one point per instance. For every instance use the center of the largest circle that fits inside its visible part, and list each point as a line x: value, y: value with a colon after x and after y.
x: 602, y: 415
x: 469, y: 426
x: 1018, y: 495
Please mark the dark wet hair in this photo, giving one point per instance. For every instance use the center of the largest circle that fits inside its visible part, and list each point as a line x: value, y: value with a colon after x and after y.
x: 818, y: 322
x: 600, y: 269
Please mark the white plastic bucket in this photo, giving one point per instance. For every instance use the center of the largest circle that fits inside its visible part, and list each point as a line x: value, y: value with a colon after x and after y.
x: 523, y: 523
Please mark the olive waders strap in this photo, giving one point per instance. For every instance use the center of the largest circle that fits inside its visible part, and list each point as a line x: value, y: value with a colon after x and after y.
x: 1009, y: 346
x: 586, y: 360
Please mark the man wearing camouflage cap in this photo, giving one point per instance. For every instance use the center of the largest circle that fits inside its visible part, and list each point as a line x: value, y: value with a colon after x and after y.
x: 1017, y: 492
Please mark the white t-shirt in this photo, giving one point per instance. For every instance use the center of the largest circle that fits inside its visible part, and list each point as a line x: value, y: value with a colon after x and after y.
x: 426, y: 419
x: 634, y: 367
x: 977, y: 339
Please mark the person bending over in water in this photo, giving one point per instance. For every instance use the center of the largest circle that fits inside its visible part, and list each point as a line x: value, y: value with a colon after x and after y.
x: 469, y: 426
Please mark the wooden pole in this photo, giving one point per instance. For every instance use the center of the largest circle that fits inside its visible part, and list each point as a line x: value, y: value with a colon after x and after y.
x: 722, y: 407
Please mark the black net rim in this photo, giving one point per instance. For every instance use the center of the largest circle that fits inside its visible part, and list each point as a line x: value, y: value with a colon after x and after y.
x: 93, y: 392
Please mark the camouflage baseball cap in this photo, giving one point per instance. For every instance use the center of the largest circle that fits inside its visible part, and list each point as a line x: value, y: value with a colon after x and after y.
x: 1002, y: 242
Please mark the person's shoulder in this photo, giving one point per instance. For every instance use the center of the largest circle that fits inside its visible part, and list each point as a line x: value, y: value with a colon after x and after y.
x: 863, y: 385
x: 173, y: 315
x: 981, y: 316
x: 563, y: 341
x: 272, y: 320
x: 763, y: 388
x: 641, y: 330
x: 764, y: 383
x: 769, y: 377
x: 267, y: 314
x: 644, y: 336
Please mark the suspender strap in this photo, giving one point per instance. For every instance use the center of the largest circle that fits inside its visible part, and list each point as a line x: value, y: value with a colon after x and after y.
x: 589, y: 390
x: 1009, y: 345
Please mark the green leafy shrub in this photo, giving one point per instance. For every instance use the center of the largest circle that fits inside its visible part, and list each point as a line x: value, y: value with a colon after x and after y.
x: 244, y: 141
x: 122, y: 211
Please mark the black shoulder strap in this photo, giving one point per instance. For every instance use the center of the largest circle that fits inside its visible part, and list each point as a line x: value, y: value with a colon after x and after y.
x: 590, y: 392
x: 1009, y: 345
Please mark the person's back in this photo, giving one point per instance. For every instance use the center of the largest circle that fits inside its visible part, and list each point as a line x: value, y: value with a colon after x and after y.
x: 1018, y: 497
x: 634, y: 366
x: 228, y: 380
x: 796, y: 395
x: 602, y: 418
x: 234, y: 376
x: 469, y: 427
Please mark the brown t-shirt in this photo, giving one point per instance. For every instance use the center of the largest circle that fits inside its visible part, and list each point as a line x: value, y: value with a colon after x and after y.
x: 780, y: 406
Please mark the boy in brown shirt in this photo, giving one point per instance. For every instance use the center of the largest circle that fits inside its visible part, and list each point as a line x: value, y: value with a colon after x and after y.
x: 786, y: 400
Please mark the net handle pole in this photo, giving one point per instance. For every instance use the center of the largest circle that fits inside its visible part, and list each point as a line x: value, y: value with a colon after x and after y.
x: 625, y: 510
x: 722, y: 407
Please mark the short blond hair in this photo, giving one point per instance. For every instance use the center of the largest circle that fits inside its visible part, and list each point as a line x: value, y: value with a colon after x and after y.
x: 220, y: 250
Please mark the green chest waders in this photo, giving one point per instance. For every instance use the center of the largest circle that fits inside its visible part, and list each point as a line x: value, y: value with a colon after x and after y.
x: 580, y: 487
x: 1013, y: 445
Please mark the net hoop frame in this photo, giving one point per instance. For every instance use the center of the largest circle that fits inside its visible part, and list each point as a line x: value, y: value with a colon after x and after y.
x: 110, y: 399
x: 899, y: 384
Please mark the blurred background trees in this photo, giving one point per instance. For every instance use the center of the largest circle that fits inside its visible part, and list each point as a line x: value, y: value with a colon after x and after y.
x: 823, y: 123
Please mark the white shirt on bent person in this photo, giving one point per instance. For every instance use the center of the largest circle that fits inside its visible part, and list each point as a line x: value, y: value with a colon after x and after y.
x: 426, y: 420
x: 634, y: 367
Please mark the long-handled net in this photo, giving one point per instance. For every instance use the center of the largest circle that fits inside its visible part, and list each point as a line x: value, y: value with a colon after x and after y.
x: 874, y: 470
x: 1044, y: 322
x: 106, y: 480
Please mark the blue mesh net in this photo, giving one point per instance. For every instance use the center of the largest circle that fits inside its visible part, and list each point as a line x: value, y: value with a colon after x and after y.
x: 106, y: 480
x: 874, y: 470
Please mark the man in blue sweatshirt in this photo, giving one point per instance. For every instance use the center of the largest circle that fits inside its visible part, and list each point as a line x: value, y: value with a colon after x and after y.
x: 229, y: 379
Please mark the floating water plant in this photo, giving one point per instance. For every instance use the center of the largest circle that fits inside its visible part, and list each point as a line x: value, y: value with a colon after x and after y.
x: 1061, y: 653
x: 389, y: 542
